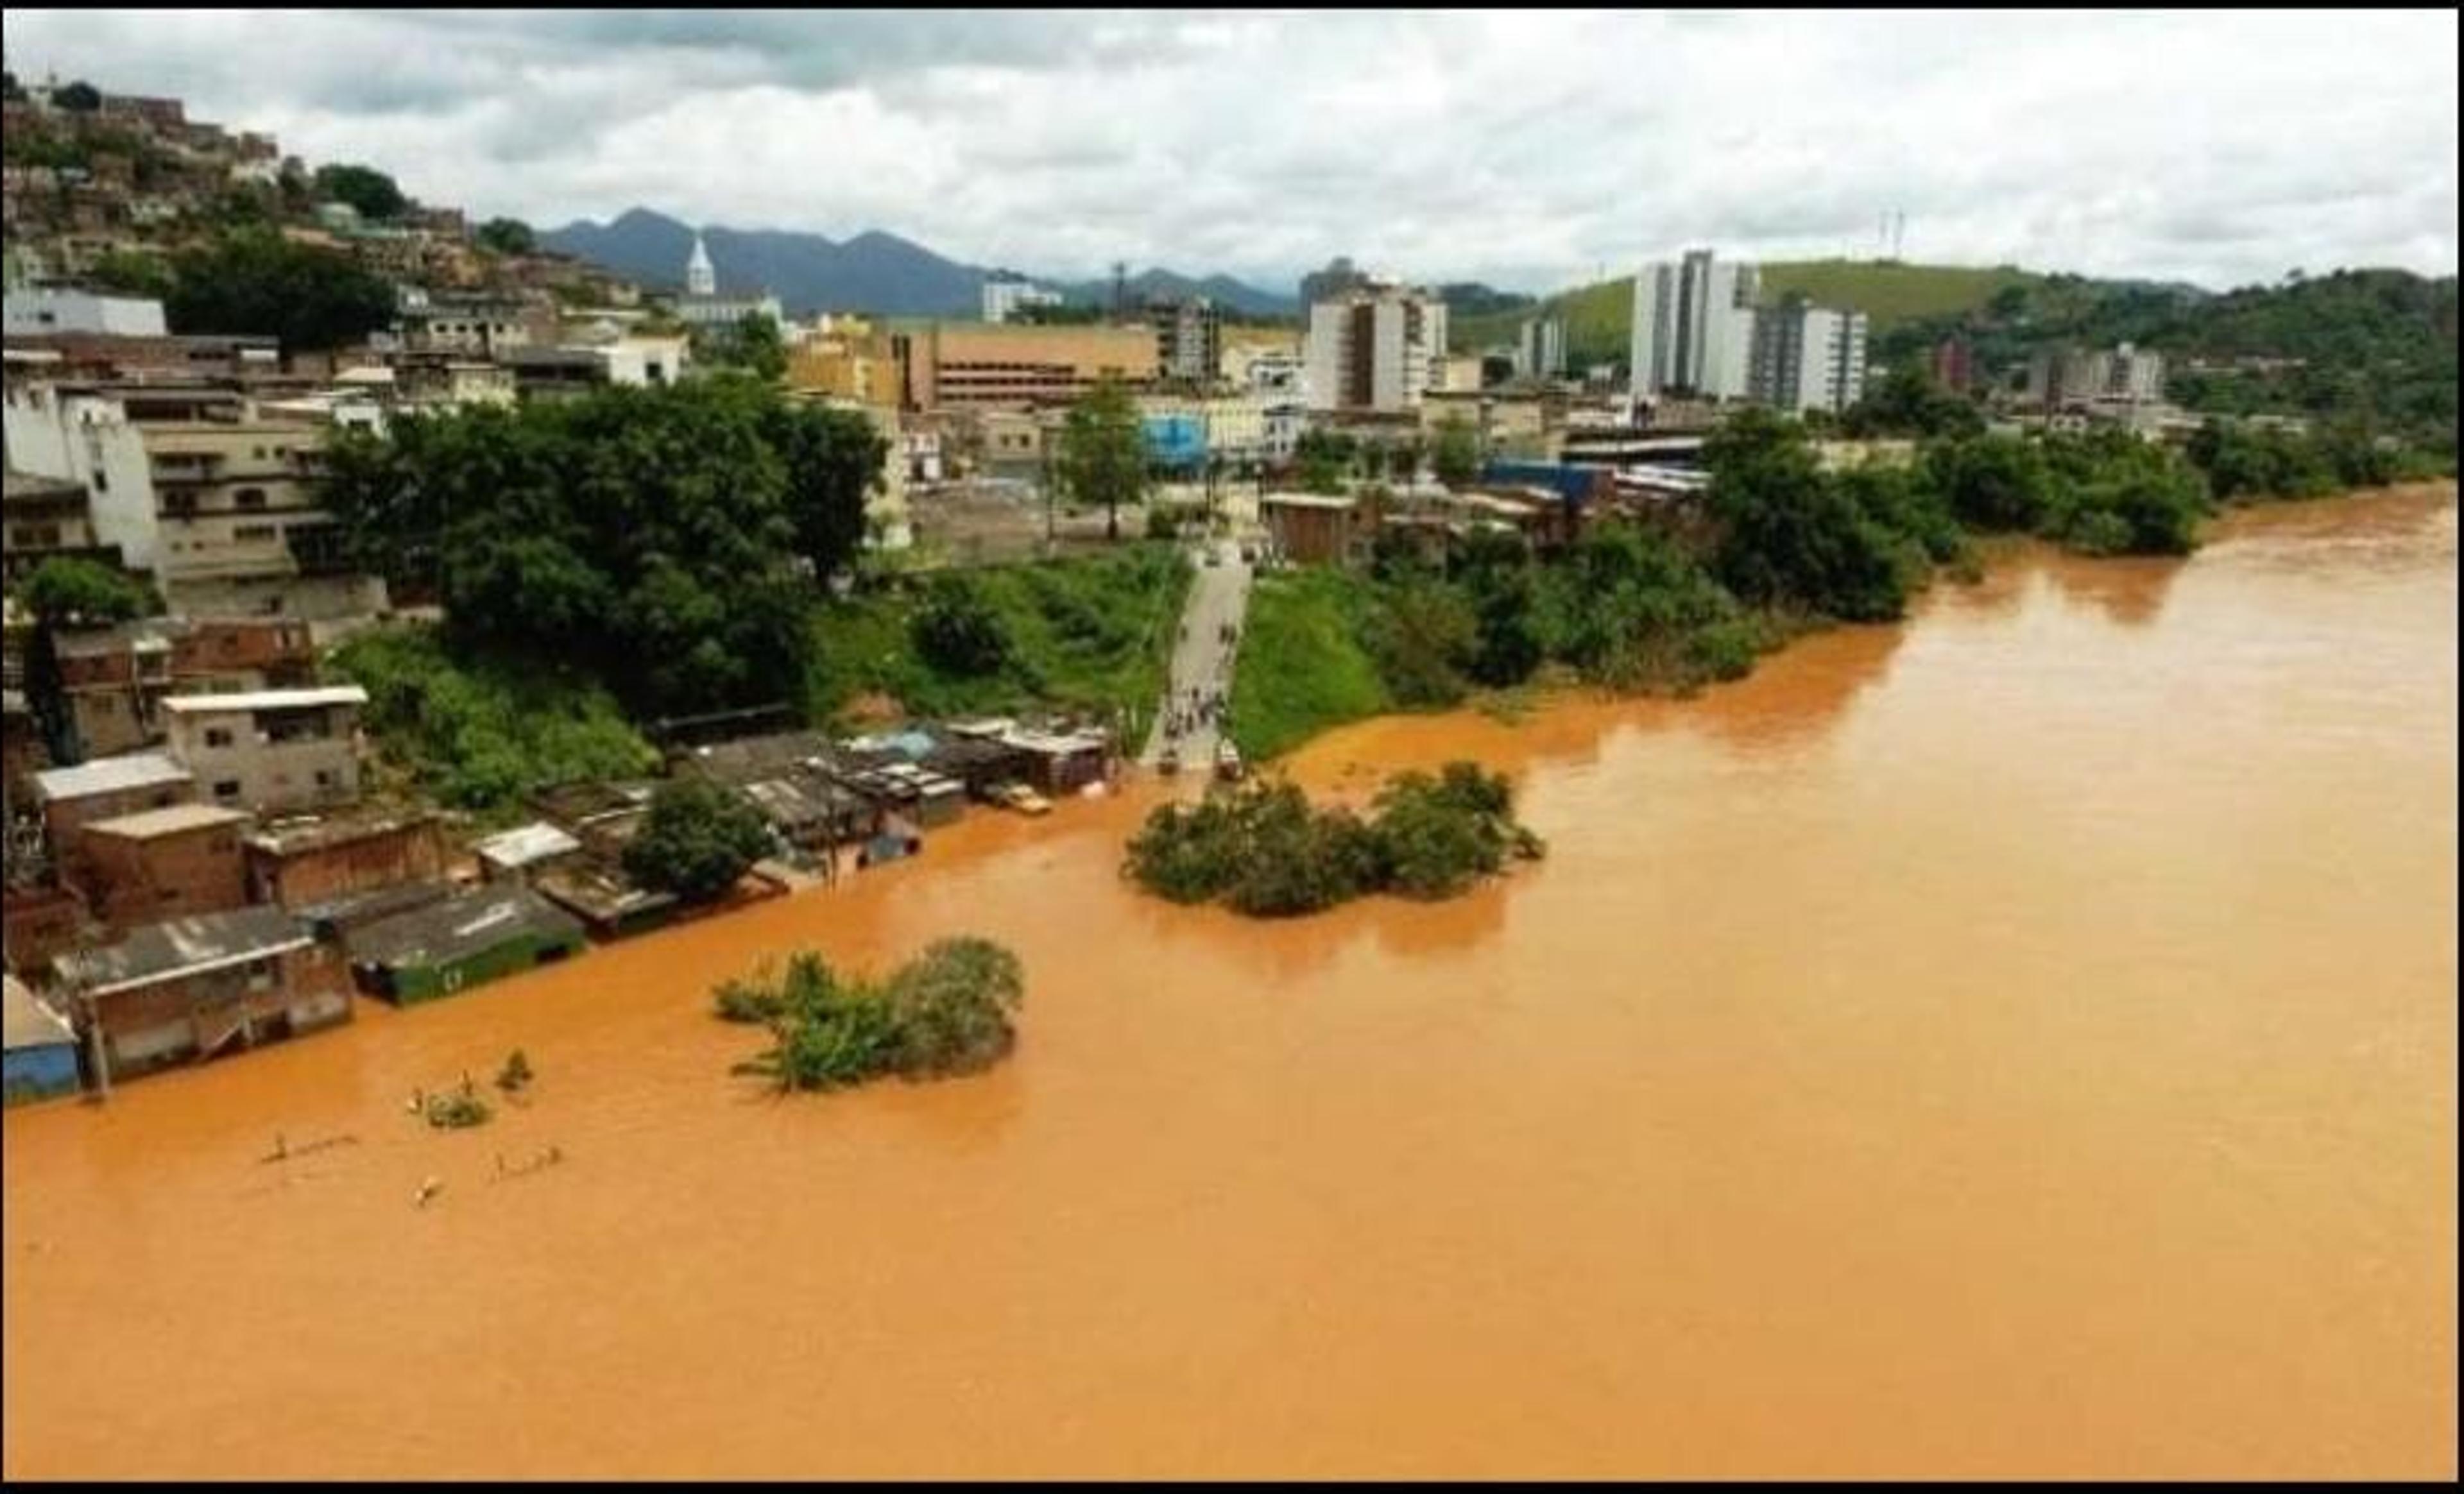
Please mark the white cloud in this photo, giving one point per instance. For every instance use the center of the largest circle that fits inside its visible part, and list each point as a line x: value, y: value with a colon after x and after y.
x: 1525, y: 149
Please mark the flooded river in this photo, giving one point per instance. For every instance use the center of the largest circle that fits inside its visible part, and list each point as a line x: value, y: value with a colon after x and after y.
x: 2020, y: 1042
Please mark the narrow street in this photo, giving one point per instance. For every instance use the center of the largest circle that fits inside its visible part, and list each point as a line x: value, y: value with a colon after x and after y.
x: 1201, y: 660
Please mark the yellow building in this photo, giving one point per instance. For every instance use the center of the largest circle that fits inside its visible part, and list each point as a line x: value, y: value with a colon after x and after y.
x: 977, y: 366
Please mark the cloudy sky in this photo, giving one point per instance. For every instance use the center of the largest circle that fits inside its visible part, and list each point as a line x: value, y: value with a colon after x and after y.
x: 1529, y: 150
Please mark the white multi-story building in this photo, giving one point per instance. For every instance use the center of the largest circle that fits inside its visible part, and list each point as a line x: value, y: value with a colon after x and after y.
x: 89, y: 439
x: 1808, y: 357
x: 1540, y: 352
x: 1694, y: 327
x: 1005, y: 291
x: 1380, y: 346
x: 41, y: 310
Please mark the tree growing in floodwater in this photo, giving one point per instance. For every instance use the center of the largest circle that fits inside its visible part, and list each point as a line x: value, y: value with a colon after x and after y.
x: 951, y: 1010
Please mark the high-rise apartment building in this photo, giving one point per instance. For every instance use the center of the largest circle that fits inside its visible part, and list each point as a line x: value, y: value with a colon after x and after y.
x: 1189, y: 334
x: 1807, y: 357
x: 1694, y: 327
x: 1380, y: 346
x: 1541, y: 349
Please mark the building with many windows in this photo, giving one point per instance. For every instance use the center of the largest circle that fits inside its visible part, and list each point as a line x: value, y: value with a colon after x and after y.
x: 1380, y: 346
x: 1807, y: 357
x: 1693, y: 327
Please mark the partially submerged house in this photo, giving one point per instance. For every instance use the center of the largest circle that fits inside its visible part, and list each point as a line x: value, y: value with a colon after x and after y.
x: 516, y: 856
x: 314, y: 859
x: 610, y: 904
x: 191, y: 987
x: 41, y: 1045
x: 470, y: 938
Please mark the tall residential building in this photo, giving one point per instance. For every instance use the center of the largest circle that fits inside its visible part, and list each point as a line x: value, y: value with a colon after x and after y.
x: 1375, y: 347
x: 1541, y: 352
x: 1694, y: 327
x: 1807, y: 357
x: 1005, y: 291
x: 2070, y: 376
x: 1190, y: 332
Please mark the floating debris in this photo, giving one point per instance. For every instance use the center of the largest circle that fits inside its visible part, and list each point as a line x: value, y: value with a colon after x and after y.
x: 428, y: 1190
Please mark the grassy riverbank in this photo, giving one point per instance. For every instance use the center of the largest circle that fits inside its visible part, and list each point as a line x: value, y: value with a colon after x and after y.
x: 1090, y: 632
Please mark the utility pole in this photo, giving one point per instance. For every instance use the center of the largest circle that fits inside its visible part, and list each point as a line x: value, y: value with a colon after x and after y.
x: 81, y: 990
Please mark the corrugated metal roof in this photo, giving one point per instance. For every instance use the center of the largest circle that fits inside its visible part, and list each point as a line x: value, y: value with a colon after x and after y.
x: 109, y: 775
x: 523, y: 845
x: 185, y: 946
x: 25, y: 1022
x: 466, y: 924
x: 267, y: 700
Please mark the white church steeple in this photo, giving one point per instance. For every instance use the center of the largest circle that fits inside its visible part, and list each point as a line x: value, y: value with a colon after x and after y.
x: 701, y: 279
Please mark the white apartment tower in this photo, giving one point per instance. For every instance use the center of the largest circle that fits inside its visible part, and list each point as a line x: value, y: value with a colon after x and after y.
x: 1694, y: 327
x: 1380, y: 346
x: 1807, y: 357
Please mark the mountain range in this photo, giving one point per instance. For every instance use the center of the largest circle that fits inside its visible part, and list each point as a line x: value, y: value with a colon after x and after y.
x: 873, y: 271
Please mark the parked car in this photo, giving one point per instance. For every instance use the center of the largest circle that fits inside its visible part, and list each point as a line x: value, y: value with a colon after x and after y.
x: 1022, y: 799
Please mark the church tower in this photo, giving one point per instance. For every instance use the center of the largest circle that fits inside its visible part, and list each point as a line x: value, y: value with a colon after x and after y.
x: 701, y: 279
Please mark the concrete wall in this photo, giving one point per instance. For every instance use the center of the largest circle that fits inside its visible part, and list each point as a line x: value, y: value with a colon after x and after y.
x: 132, y: 881
x: 236, y: 764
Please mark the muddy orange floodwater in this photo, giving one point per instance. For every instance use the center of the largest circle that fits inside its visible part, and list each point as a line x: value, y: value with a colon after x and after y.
x: 2018, y: 1043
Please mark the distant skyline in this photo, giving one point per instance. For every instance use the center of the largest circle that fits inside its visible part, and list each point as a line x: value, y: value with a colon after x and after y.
x: 1531, y: 151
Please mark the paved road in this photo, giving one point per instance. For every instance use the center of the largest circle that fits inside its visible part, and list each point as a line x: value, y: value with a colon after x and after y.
x: 1201, y: 660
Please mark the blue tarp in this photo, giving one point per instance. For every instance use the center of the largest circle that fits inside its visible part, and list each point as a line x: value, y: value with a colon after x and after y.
x: 1574, y: 484
x: 1175, y: 440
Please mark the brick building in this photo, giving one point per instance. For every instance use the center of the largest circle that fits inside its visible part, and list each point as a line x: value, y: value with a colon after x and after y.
x: 161, y: 864
x: 107, y: 787
x: 194, y: 987
x: 296, y: 865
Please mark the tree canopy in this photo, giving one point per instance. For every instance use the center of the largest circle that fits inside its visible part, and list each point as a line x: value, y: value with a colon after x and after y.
x: 257, y: 283
x: 650, y: 536
x: 1103, y: 457
x: 1456, y: 454
x: 367, y: 189
x: 697, y: 840
x: 67, y: 592
x: 507, y: 236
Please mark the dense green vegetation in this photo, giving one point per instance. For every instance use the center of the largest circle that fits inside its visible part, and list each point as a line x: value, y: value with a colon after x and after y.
x: 651, y: 538
x: 369, y: 191
x: 1778, y: 544
x: 1103, y: 459
x: 1092, y: 632
x: 67, y: 592
x: 481, y: 733
x: 949, y: 1011
x: 1266, y: 852
x: 754, y: 345
x: 254, y: 281
x: 507, y: 236
x: 2373, y: 347
x: 1304, y: 664
x: 697, y: 840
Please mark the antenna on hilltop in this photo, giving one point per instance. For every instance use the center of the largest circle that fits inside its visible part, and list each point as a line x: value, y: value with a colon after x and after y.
x: 1120, y: 289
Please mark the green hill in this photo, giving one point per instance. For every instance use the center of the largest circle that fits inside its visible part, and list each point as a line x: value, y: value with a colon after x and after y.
x: 1599, y: 318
